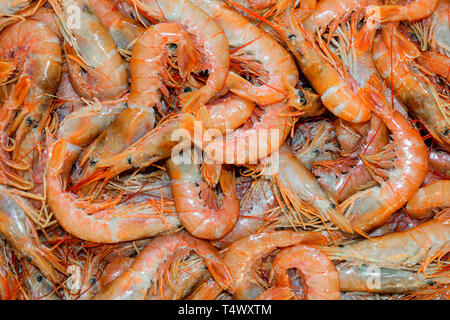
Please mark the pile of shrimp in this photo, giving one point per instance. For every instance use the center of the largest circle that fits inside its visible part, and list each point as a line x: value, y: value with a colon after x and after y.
x: 224, y: 149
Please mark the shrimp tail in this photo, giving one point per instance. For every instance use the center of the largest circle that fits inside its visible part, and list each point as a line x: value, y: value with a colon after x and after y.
x: 387, y: 13
x: 277, y: 293
x: 6, y: 69
x: 373, y: 95
x: 211, y: 172
x: 365, y: 37
x: 219, y: 272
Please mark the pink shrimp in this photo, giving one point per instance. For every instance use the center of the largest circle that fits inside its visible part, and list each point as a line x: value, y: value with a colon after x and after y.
x: 199, y: 219
x: 320, y: 277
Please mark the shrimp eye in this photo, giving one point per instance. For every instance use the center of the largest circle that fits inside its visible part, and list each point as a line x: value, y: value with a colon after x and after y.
x: 301, y: 97
x: 39, y: 278
x: 292, y: 37
x: 172, y: 46
x: 92, y: 281
x: 29, y: 121
x: 333, y: 205
x: 93, y: 162
x: 129, y: 160
x: 29, y: 259
x: 446, y: 132
x: 204, y: 73
x: 316, y: 151
x: 340, y: 245
x: 187, y: 89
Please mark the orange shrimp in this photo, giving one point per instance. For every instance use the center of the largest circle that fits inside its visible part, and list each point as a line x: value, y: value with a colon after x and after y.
x: 200, y: 219
x: 434, y: 195
x: 413, y: 11
x: 336, y: 90
x: 420, y: 244
x: 254, y: 44
x: 206, y: 32
x: 95, y: 66
x: 372, y: 207
x: 242, y: 254
x: 331, y: 10
x: 435, y: 63
x: 34, y: 52
x: 320, y: 277
x: 47, y: 16
x: 411, y: 87
x: 122, y: 29
x: 247, y: 145
x: 146, y: 66
x: 297, y: 182
x: 95, y: 222
x: 135, y: 282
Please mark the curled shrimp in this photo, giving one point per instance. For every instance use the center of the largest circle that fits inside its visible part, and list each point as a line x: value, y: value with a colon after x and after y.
x: 189, y: 191
x: 148, y: 60
x: 95, y: 66
x: 254, y: 44
x: 411, y: 87
x: 320, y: 277
x: 247, y: 145
x: 36, y: 57
x: 413, y: 11
x: 135, y: 282
x: 242, y: 254
x: 434, y: 195
x: 371, y: 207
x: 96, y: 222
x: 205, y: 31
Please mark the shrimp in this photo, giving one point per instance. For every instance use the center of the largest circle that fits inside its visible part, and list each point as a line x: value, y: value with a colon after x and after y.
x: 135, y: 282
x: 47, y: 16
x: 336, y: 90
x: 356, y: 174
x: 320, y: 277
x: 94, y: 222
x: 242, y: 254
x: 416, y: 10
x: 208, y: 34
x: 200, y: 219
x: 38, y: 286
x: 82, y: 126
x: 146, y: 66
x: 122, y: 29
x: 370, y: 278
x: 314, y: 142
x: 36, y: 53
x: 420, y: 244
x: 297, y: 182
x: 413, y: 90
x: 372, y: 207
x: 247, y: 145
x: 95, y: 66
x: 329, y: 10
x: 18, y: 230
x: 253, y: 44
x: 435, y: 63
x: 434, y: 195
x: 69, y: 101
